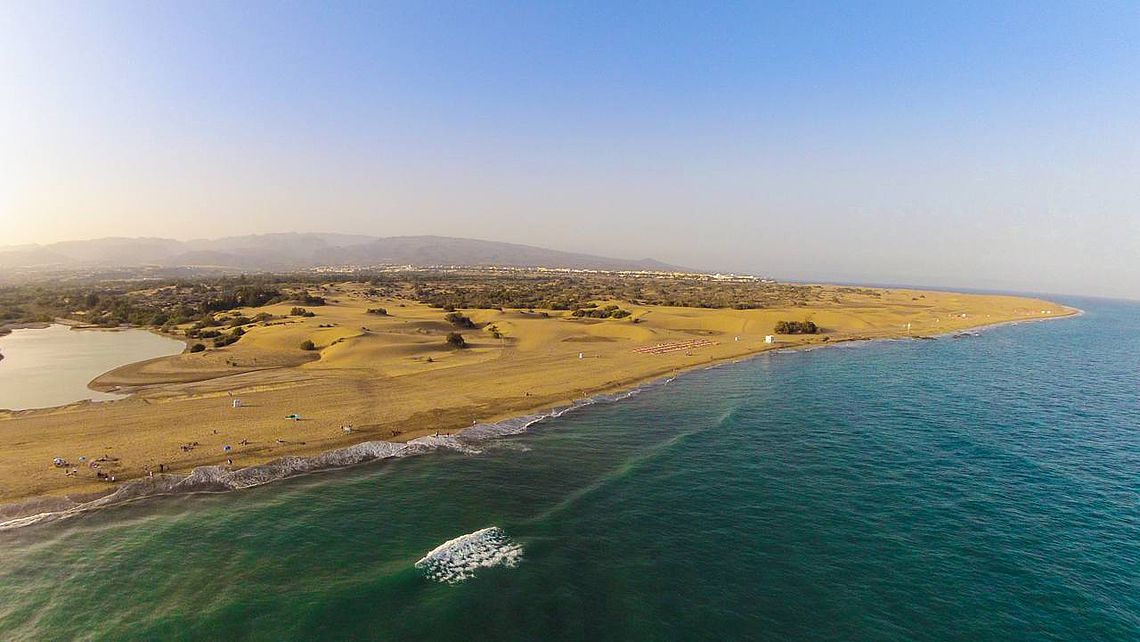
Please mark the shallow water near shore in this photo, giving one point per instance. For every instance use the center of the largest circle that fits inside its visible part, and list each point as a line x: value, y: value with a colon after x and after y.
x: 45, y: 367
x: 980, y: 488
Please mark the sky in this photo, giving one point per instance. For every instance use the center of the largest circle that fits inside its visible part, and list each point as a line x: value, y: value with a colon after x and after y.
x: 988, y: 145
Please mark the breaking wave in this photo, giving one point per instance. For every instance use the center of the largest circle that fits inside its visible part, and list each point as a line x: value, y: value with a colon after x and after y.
x: 214, y: 479
x: 457, y: 559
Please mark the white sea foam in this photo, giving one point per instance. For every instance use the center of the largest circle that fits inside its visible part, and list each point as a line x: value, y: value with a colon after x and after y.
x: 457, y: 559
x: 212, y: 479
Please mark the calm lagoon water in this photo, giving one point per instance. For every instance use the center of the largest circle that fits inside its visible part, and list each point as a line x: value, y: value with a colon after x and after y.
x: 972, y: 489
x: 52, y: 366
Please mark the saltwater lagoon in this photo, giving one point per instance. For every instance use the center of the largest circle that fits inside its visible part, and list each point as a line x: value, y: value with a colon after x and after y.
x: 52, y: 366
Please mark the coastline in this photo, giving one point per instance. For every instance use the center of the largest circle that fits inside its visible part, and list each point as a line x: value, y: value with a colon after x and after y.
x: 216, y: 478
x: 7, y: 328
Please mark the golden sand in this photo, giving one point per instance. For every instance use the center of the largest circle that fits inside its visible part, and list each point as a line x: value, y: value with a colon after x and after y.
x: 394, y: 378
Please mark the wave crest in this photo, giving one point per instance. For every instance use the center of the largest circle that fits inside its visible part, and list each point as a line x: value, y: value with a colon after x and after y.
x: 457, y: 559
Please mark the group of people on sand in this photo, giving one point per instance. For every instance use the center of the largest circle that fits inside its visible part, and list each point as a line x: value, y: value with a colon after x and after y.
x: 73, y: 471
x: 148, y: 471
x: 111, y: 463
x: 70, y: 471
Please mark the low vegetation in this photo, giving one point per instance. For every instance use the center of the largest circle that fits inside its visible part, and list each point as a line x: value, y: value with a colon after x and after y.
x: 204, y: 302
x: 476, y: 289
x: 608, y: 312
x: 228, y: 339
x: 456, y: 340
x: 309, y: 299
x: 459, y: 320
x: 796, y: 327
x: 116, y: 303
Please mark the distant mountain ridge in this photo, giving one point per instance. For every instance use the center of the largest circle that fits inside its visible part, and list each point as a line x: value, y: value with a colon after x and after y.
x: 293, y: 251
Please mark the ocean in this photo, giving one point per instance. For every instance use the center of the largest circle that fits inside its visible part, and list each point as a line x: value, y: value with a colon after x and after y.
x: 983, y: 488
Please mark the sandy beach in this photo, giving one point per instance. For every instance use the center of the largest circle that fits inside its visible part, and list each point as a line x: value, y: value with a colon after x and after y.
x: 394, y: 378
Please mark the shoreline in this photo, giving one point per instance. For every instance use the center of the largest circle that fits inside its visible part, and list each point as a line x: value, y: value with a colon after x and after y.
x: 73, y: 325
x: 7, y: 328
x: 218, y: 479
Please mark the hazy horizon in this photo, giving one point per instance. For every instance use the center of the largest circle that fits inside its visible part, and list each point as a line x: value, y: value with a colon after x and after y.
x: 990, y: 146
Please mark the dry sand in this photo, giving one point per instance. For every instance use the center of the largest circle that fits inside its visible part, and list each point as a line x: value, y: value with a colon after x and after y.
x: 374, y: 374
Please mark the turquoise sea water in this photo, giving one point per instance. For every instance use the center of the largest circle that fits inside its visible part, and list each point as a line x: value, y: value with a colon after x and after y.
x: 969, y: 489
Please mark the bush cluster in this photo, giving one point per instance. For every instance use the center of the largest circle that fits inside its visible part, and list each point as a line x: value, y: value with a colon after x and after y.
x: 459, y: 320
x: 608, y: 312
x: 309, y: 299
x: 796, y: 327
x: 227, y: 339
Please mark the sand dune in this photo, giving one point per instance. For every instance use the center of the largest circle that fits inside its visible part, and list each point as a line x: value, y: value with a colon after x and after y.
x: 393, y: 377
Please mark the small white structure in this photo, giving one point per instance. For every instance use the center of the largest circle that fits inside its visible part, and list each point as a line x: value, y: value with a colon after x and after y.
x: 237, y: 403
x: 769, y: 338
x: 581, y: 355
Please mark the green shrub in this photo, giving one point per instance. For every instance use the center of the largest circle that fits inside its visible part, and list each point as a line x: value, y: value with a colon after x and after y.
x: 456, y: 340
x: 594, y: 312
x: 796, y: 327
x: 197, y: 347
x: 459, y: 320
x: 308, y: 344
x: 309, y: 299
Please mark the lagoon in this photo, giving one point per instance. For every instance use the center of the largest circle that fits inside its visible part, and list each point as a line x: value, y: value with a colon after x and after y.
x: 52, y: 366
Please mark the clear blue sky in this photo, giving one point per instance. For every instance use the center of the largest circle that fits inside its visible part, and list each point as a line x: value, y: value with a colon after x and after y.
x: 988, y: 144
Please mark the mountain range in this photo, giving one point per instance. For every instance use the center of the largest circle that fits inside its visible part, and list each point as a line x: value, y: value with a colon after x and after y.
x: 293, y: 251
